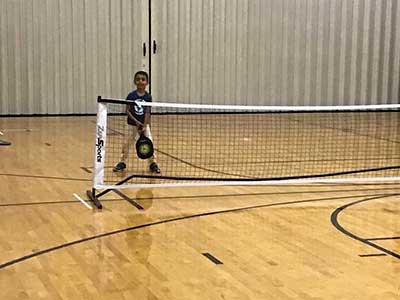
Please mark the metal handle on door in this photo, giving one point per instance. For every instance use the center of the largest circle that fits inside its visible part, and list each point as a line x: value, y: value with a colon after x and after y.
x: 154, y: 47
x: 144, y: 49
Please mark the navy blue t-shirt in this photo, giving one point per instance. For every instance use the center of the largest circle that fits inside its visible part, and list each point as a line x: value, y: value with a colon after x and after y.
x: 136, y: 110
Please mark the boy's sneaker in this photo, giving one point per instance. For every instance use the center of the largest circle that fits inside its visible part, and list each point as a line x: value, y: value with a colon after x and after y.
x: 154, y: 168
x: 119, y: 167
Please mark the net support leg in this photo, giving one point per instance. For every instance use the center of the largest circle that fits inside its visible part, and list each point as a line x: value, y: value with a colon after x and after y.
x: 4, y: 143
x: 92, y: 196
x: 95, y: 197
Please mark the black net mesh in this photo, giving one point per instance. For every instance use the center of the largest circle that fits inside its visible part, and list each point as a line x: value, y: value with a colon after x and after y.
x: 208, y: 144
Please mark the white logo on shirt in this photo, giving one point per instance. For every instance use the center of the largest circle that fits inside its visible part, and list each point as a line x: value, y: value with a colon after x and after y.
x: 139, y: 110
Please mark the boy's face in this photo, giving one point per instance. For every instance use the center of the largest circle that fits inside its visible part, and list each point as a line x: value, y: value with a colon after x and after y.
x: 140, y: 82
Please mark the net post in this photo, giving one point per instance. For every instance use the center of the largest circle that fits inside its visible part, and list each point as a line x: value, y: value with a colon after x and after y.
x: 92, y: 193
x: 92, y: 196
x: 99, y: 152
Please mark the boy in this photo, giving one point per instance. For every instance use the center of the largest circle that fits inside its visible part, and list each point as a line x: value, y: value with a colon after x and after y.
x: 138, y: 121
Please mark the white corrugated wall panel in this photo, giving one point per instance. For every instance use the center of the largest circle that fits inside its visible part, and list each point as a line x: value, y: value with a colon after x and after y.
x: 394, y: 54
x: 278, y: 52
x: 56, y: 56
x: 3, y: 58
x: 264, y: 75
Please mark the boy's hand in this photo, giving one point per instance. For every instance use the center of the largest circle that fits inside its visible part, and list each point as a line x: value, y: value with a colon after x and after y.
x: 140, y: 129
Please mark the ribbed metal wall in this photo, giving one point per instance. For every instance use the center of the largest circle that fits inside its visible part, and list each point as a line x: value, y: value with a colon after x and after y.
x: 56, y: 56
x: 278, y: 52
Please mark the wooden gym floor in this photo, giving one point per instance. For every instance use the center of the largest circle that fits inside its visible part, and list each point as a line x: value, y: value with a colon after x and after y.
x: 262, y: 242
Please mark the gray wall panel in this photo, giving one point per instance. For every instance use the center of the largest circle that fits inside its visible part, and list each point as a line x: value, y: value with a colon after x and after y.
x: 56, y: 56
x: 291, y: 52
x: 394, y: 54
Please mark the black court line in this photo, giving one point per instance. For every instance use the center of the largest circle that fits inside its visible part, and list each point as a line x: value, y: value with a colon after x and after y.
x: 212, y: 258
x: 181, y: 218
x: 47, y: 116
x: 125, y: 197
x: 245, y: 178
x: 335, y: 222
x: 199, y: 167
x: 372, y: 255
x: 384, y: 238
x: 44, y: 177
x: 19, y: 129
x: 86, y: 170
x: 301, y: 161
x: 346, y: 130
x: 278, y: 178
x: 255, y: 162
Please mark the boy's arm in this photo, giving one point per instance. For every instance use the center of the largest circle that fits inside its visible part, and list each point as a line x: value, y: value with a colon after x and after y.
x: 130, y: 116
x: 147, y: 116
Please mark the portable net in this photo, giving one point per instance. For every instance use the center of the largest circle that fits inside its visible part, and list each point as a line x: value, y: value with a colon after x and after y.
x: 215, y: 144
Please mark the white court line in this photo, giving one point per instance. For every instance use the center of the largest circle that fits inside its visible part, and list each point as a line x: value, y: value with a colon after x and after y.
x: 83, y: 201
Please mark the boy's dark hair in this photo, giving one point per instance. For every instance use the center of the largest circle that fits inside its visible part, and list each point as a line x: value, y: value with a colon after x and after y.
x: 142, y: 73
